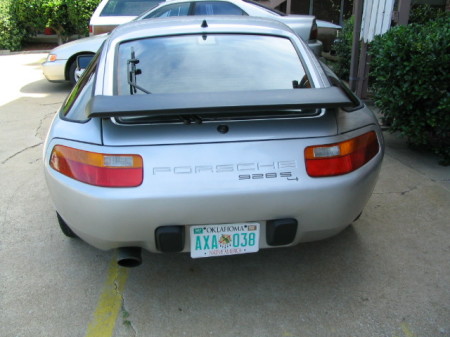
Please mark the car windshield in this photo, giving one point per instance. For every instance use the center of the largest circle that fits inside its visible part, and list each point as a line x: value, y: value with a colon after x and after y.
x: 207, y: 63
x: 127, y: 7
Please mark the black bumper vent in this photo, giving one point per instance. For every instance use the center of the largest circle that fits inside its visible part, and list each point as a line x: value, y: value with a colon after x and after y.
x: 170, y: 239
x: 281, y: 232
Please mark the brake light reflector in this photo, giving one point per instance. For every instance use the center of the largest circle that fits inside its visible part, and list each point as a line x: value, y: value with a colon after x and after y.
x: 314, y: 31
x: 106, y: 170
x: 341, y: 158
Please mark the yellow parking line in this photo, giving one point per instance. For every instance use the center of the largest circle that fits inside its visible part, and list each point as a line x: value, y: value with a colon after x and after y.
x: 406, y: 330
x: 109, y: 303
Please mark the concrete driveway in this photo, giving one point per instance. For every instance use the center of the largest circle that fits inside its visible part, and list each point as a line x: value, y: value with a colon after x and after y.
x: 388, y: 275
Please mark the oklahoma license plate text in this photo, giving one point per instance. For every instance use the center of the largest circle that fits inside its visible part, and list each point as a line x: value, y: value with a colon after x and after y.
x: 227, y: 239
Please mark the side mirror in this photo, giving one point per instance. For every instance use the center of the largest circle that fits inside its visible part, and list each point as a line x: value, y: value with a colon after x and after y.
x: 82, y: 63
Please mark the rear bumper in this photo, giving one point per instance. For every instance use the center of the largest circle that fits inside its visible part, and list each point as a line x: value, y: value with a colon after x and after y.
x: 101, y: 29
x: 272, y: 185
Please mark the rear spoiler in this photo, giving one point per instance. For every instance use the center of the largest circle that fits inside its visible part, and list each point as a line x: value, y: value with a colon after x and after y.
x: 212, y: 103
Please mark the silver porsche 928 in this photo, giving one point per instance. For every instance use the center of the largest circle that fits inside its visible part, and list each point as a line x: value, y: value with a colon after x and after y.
x: 209, y: 135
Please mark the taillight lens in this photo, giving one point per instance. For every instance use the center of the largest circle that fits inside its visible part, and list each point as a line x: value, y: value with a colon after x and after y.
x: 314, y: 31
x: 341, y: 158
x: 106, y: 170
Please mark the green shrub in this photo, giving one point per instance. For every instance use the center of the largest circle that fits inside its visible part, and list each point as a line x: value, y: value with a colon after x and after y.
x: 68, y: 17
x: 424, y: 13
x: 411, y: 75
x: 28, y: 15
x: 20, y: 19
x: 57, y: 14
x: 11, y: 33
x: 80, y: 13
x: 343, y: 48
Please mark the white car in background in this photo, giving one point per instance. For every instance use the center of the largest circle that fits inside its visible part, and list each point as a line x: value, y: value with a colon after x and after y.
x: 111, y: 13
x: 61, y: 62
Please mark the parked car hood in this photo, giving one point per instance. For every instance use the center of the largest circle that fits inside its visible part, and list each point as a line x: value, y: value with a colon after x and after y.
x: 87, y: 44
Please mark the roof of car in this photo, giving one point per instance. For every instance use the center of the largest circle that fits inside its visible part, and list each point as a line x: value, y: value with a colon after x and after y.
x: 197, y: 24
x: 176, y: 1
x: 255, y: 5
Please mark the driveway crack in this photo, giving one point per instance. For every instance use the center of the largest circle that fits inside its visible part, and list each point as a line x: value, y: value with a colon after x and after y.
x: 41, y: 122
x: 398, y: 192
x: 21, y: 151
x: 124, y: 312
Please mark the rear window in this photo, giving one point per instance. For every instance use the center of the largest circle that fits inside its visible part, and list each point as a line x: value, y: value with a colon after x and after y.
x: 217, y: 8
x: 170, y: 10
x: 127, y: 7
x: 207, y: 63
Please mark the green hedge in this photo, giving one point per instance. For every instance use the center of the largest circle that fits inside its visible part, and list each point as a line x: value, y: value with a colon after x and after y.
x: 69, y: 17
x: 80, y: 13
x: 11, y: 34
x: 343, y: 48
x: 410, y: 68
x: 424, y: 13
x: 20, y: 19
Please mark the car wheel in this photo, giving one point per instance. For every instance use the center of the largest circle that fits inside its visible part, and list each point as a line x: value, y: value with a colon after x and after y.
x: 72, y: 70
x: 65, y: 228
x: 75, y: 74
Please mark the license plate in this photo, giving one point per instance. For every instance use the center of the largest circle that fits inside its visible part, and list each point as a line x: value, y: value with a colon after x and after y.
x: 227, y: 239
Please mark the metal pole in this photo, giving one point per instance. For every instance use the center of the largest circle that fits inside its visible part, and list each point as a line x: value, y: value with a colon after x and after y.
x: 403, y: 11
x: 288, y: 6
x: 363, y: 72
x: 357, y: 12
x: 311, y: 7
x: 341, y: 13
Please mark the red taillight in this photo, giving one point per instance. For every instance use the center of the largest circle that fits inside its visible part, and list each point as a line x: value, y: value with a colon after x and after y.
x: 341, y: 158
x: 106, y: 170
x: 314, y: 31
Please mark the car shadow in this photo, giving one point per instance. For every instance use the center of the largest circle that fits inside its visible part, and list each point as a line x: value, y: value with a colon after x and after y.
x: 306, y: 271
x: 45, y: 87
x: 336, y: 256
x: 279, y: 284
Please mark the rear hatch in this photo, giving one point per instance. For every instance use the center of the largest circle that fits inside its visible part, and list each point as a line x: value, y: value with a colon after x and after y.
x: 199, y: 88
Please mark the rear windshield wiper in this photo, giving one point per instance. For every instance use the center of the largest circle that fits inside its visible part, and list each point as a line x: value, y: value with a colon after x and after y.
x: 132, y: 73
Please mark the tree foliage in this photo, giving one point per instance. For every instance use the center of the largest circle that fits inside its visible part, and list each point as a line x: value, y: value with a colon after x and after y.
x: 424, y: 13
x: 20, y: 19
x: 11, y: 34
x: 80, y: 13
x: 343, y: 48
x: 411, y: 82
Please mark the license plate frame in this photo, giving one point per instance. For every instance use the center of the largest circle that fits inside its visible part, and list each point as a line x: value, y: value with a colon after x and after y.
x: 224, y: 239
